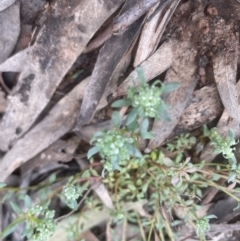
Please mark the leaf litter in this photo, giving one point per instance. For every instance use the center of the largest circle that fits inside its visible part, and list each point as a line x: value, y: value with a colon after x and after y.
x: 187, y: 38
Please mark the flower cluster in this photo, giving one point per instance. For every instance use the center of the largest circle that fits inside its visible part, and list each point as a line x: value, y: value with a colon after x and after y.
x: 221, y: 144
x: 40, y: 224
x: 202, y: 225
x: 147, y: 98
x: 115, y: 148
x: 71, y: 193
x: 114, y: 144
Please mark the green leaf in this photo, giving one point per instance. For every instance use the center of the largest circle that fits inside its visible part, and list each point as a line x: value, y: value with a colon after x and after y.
x: 141, y: 75
x: 16, y: 208
x: 116, y: 119
x: 144, y: 129
x: 147, y: 135
x: 27, y: 233
x: 7, y: 196
x: 2, y: 184
x: 133, y: 127
x: 72, y: 204
x: 52, y: 178
x: 163, y: 113
x: 144, y: 125
x: 114, y: 162
x: 131, y: 116
x: 231, y: 134
x: 28, y: 201
x: 211, y: 216
x: 232, y: 176
x: 11, y: 227
x: 169, y: 87
x: 92, y: 151
x: 216, y: 177
x: 167, y: 161
x: 199, y: 192
x: 140, y: 111
x: 134, y: 151
x: 121, y: 103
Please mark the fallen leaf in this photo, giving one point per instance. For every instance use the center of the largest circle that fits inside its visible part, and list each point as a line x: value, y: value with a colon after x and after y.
x: 58, y: 122
x: 225, y: 72
x: 5, y: 4
x: 153, y: 29
x: 182, y: 71
x: 109, y: 57
x: 9, y: 28
x: 30, y: 10
x: 152, y: 67
x: 134, y: 10
x: 58, y: 151
x: 204, y: 107
x: 59, y: 43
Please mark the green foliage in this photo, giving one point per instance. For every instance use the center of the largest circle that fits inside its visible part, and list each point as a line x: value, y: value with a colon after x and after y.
x: 146, y: 100
x: 221, y: 144
x: 117, y: 146
x: 183, y: 142
x: 202, y: 225
x: 224, y: 145
x: 71, y: 192
x: 39, y: 221
x: 157, y: 181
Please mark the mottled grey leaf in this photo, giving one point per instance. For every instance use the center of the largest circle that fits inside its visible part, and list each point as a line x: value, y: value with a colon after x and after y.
x: 69, y: 28
x: 5, y: 4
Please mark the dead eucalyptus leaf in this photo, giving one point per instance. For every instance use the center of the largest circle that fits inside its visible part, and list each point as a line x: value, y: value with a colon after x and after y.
x: 84, y: 222
x: 225, y: 72
x: 5, y: 4
x: 153, y: 29
x: 152, y: 67
x: 103, y: 194
x: 182, y: 71
x: 58, y: 151
x: 3, y: 101
x: 108, y: 59
x: 121, y: 68
x: 59, y: 43
x: 9, y: 28
x: 30, y: 10
x: 58, y: 122
x: 132, y: 11
x: 14, y: 63
x: 225, y: 123
x: 204, y: 107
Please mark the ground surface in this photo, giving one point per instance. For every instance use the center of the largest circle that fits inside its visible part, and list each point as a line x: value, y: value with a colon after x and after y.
x: 63, y: 62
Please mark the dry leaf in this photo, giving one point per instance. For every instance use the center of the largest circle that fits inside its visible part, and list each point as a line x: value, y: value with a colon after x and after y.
x: 59, y: 43
x: 152, y: 67
x: 225, y: 72
x: 205, y: 106
x: 182, y: 71
x: 9, y: 28
x: 153, y: 29
x: 5, y: 4
x: 134, y: 10
x: 109, y: 57
x: 58, y: 122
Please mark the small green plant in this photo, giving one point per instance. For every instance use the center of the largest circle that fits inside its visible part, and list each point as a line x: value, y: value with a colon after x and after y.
x: 38, y: 219
x: 202, y: 225
x: 225, y: 146
x: 71, y: 192
x: 144, y: 188
x: 118, y: 145
x: 183, y: 142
